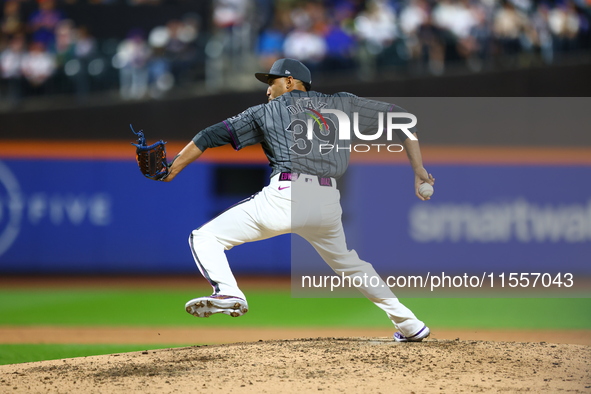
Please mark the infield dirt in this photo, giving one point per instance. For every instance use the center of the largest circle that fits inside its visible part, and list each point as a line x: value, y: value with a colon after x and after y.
x: 273, y: 360
x: 339, y: 365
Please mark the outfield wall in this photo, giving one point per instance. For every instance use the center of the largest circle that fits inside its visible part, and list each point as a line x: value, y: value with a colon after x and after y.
x: 94, y: 213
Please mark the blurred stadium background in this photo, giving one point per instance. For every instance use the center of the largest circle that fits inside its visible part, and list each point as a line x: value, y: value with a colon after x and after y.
x: 500, y: 89
x: 76, y: 73
x: 96, y: 50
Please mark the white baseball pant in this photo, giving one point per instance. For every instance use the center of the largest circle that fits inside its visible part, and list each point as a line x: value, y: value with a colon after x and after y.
x: 302, y: 207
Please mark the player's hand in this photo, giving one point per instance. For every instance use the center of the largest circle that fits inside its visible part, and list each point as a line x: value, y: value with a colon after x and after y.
x: 422, y: 176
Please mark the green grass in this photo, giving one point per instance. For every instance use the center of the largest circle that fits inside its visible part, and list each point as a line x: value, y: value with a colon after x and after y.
x: 14, y: 354
x: 277, y: 309
x: 136, y: 308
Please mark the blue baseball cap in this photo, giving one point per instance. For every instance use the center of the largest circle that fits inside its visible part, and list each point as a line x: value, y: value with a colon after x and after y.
x: 288, y: 68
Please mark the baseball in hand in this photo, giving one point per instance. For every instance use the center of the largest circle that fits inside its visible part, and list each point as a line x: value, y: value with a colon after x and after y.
x: 426, y: 190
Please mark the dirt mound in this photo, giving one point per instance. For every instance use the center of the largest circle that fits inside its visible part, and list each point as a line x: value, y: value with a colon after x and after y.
x: 351, y: 365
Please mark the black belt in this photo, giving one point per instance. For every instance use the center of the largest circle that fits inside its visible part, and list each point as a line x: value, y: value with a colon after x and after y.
x: 292, y: 176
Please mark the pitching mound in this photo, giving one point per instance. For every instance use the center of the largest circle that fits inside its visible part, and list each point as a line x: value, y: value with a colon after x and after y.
x: 323, y: 364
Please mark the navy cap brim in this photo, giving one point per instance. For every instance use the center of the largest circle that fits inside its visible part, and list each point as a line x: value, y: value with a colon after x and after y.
x: 264, y: 77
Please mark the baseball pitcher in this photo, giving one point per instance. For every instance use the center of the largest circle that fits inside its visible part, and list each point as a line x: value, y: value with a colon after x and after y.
x: 302, y: 134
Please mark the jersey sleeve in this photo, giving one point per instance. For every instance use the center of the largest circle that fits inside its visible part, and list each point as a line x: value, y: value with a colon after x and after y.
x: 246, y: 128
x: 368, y: 116
x: 213, y: 136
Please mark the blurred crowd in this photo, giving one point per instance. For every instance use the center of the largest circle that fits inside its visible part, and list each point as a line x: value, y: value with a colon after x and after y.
x: 425, y: 35
x: 44, y: 52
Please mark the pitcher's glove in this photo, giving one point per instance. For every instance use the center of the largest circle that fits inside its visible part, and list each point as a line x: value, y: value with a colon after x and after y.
x: 151, y: 159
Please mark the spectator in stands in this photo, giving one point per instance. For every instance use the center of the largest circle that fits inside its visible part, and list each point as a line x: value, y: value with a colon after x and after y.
x: 43, y: 22
x: 64, y: 54
x: 509, y: 25
x: 474, y: 45
x: 454, y: 16
x: 183, y: 43
x: 85, y: 47
x: 432, y: 46
x: 305, y: 41
x: 229, y: 45
x: 541, y: 34
x: 340, y: 45
x: 377, y: 27
x: 11, y: 60
x: 565, y: 25
x: 376, y: 30
x: 305, y: 45
x: 455, y: 20
x: 11, y: 23
x: 270, y: 45
x: 160, y: 78
x: 412, y: 17
x: 64, y: 41
x: 38, y: 67
x: 229, y: 13
x: 85, y: 51
x: 131, y: 59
